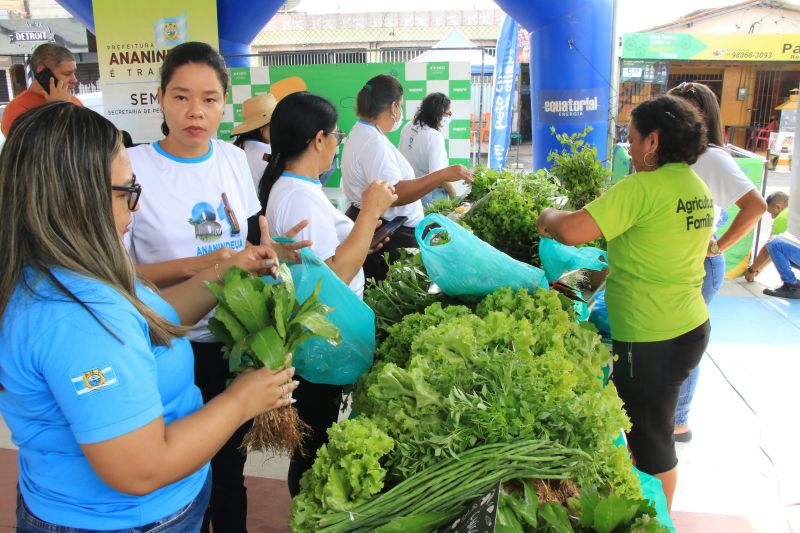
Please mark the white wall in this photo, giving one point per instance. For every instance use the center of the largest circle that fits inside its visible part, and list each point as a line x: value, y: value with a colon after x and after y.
x: 763, y: 20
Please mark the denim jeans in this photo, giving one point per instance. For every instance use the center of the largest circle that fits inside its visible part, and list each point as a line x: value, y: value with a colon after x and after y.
x: 436, y: 194
x: 784, y: 254
x: 186, y: 520
x: 715, y: 275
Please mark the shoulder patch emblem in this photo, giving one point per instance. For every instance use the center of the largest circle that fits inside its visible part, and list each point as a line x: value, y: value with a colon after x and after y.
x: 93, y: 380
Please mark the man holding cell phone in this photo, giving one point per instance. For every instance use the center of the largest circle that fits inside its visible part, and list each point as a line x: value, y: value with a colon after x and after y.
x: 54, y: 80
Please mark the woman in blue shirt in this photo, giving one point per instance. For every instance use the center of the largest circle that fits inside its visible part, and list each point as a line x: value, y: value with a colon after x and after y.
x: 96, y: 378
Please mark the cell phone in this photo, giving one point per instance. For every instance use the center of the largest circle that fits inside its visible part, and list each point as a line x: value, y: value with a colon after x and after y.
x: 44, y: 77
x: 386, y: 230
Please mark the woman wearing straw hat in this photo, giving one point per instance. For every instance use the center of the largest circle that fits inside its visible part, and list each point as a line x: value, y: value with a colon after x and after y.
x: 252, y: 135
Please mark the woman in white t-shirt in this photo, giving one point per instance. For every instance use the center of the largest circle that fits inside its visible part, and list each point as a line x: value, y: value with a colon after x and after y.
x: 304, y: 141
x: 369, y: 156
x: 422, y: 143
x: 252, y: 135
x: 196, y: 214
x: 728, y: 186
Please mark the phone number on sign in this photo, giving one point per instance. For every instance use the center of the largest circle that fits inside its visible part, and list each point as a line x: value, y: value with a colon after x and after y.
x: 748, y: 54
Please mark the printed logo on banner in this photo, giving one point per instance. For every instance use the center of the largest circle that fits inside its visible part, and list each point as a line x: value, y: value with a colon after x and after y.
x: 571, y: 106
x: 170, y: 32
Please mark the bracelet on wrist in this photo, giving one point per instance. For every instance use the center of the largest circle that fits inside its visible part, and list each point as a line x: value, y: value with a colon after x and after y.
x: 216, y: 271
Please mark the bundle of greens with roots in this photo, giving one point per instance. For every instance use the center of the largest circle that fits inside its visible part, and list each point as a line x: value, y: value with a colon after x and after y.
x: 259, y: 323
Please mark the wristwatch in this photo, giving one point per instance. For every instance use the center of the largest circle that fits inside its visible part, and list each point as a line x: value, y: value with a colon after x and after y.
x: 713, y: 248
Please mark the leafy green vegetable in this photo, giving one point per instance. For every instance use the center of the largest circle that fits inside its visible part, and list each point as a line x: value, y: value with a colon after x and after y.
x: 447, y: 486
x: 264, y: 321
x: 578, y: 169
x: 519, y: 368
x: 444, y: 206
x: 403, y: 292
x: 556, y: 517
x: 397, y: 346
x: 506, y: 216
x: 346, y: 472
x: 612, y: 513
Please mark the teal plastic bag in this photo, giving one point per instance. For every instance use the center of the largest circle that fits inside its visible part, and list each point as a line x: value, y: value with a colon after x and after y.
x: 558, y: 258
x: 599, y: 316
x: 463, y: 265
x: 317, y: 360
x: 651, y: 490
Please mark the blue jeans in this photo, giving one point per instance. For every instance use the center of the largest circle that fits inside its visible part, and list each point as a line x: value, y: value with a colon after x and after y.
x: 185, y: 520
x: 436, y: 194
x: 715, y: 275
x: 784, y: 254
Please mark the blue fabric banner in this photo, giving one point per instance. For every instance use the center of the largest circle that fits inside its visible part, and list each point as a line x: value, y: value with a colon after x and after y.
x: 505, y: 73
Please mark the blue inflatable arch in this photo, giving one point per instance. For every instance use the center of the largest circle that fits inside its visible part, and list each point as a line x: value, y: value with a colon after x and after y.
x: 571, y: 44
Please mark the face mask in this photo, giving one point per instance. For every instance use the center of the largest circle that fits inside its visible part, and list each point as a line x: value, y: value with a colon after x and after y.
x: 445, y: 122
x: 398, y: 122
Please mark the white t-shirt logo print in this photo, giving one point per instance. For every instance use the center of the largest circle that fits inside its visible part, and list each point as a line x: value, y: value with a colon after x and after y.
x: 204, y: 219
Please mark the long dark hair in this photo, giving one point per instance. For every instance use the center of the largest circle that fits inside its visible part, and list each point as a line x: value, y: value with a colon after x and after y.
x: 295, y: 121
x: 377, y: 95
x: 192, y: 52
x: 704, y: 99
x: 252, y: 135
x: 55, y: 190
x: 682, y: 134
x: 431, y: 110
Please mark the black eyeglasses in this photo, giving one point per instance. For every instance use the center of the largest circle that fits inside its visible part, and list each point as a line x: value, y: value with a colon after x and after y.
x: 339, y: 135
x: 134, y: 192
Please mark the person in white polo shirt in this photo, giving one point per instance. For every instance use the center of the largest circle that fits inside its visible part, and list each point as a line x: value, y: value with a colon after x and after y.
x: 422, y: 143
x: 304, y: 141
x: 368, y: 156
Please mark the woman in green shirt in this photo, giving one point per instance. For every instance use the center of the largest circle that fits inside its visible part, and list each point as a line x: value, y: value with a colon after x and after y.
x: 658, y: 222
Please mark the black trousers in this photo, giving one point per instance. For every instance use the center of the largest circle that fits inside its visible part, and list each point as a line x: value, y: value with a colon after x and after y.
x: 318, y: 406
x: 648, y: 377
x: 227, y: 510
x: 375, y: 266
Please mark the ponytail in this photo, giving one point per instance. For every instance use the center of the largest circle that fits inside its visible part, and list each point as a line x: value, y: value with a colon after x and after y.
x: 377, y: 95
x: 275, y: 167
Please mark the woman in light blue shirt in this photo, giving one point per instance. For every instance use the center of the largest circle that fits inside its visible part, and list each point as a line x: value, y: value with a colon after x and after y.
x: 96, y: 378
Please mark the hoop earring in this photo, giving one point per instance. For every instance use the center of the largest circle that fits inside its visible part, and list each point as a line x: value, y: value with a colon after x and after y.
x: 649, y: 164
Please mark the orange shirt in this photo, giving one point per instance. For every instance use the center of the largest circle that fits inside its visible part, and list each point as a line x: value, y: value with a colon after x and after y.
x: 25, y: 101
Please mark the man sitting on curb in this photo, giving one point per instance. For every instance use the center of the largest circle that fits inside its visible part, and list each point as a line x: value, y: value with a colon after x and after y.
x: 783, y: 250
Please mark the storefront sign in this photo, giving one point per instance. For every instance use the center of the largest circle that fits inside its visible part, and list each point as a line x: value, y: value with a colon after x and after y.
x: 707, y: 47
x: 132, y: 40
x: 577, y: 106
x: 22, y: 36
x: 644, y: 71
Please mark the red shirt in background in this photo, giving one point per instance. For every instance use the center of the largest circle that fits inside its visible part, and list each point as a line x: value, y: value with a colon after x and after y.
x: 25, y: 101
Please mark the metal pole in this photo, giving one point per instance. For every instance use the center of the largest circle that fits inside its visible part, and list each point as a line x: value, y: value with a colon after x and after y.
x: 613, y: 97
x: 480, y: 108
x: 794, y: 179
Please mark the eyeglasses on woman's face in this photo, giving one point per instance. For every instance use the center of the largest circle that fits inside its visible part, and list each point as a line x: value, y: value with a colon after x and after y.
x: 134, y: 191
x: 339, y: 136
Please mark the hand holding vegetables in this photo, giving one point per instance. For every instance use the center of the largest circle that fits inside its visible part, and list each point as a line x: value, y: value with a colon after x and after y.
x: 259, y: 323
x: 262, y: 390
x: 257, y: 260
